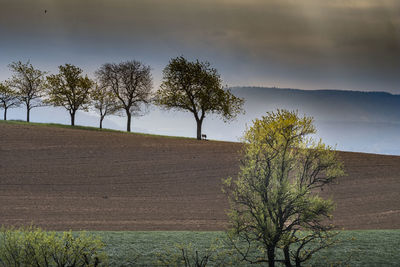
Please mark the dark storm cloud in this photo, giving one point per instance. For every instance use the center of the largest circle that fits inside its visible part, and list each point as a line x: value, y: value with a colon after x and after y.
x: 310, y: 43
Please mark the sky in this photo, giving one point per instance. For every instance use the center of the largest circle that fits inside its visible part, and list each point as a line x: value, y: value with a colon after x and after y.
x: 308, y: 44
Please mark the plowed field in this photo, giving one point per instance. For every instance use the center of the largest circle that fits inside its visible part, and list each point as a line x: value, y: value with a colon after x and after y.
x: 60, y: 178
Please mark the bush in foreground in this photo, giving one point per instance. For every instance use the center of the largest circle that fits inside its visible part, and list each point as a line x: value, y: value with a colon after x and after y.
x: 33, y: 247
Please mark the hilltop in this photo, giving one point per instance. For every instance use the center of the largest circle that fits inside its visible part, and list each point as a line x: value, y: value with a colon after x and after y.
x: 62, y: 178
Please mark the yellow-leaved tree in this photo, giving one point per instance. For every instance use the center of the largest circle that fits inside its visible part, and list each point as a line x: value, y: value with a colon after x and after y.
x: 274, y: 201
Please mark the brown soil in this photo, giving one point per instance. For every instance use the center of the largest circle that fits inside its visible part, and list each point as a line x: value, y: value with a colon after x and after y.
x: 62, y: 179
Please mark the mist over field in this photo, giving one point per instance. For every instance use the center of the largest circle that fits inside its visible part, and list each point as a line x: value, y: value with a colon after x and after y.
x: 352, y: 120
x: 355, y: 121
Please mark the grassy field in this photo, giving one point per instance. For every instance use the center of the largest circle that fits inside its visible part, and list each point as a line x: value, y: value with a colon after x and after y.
x: 357, y: 248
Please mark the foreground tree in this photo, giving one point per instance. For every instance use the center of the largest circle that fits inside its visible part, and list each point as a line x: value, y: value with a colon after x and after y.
x: 69, y: 89
x: 130, y: 82
x: 104, y: 102
x: 197, y: 88
x: 8, y: 98
x: 29, y: 83
x: 274, y: 204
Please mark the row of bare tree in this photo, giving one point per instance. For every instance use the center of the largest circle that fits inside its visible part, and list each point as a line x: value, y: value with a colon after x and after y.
x: 121, y: 88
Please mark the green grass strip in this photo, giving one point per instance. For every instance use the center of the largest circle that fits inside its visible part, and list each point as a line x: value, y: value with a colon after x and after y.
x: 356, y: 248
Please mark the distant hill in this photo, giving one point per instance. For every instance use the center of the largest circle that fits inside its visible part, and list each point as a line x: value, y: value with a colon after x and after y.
x: 328, y: 105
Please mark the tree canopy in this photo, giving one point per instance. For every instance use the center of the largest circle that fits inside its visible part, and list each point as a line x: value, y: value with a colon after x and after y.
x: 104, y: 102
x: 29, y: 83
x: 130, y: 82
x: 274, y: 196
x: 196, y: 87
x: 8, y: 98
x: 69, y: 89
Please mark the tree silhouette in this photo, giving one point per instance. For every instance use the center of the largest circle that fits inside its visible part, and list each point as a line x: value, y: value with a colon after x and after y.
x: 130, y: 82
x: 29, y: 83
x: 69, y: 89
x: 197, y: 88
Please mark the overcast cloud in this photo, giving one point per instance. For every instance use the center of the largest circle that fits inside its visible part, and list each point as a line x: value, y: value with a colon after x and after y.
x: 286, y: 43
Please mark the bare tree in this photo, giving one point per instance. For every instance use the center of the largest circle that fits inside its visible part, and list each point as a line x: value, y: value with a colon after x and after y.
x: 8, y: 98
x: 28, y: 82
x: 130, y: 82
x: 104, y: 102
x: 69, y: 89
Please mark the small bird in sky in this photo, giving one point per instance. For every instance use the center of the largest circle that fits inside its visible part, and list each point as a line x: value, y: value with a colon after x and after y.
x: 45, y: 11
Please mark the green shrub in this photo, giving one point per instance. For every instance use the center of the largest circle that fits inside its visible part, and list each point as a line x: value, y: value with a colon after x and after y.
x: 33, y: 247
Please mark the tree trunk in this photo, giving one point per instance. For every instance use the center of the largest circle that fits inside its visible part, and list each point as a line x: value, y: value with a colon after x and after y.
x: 5, y: 113
x: 287, y: 256
x: 271, y: 256
x: 199, y: 123
x: 27, y: 113
x: 128, y: 121
x: 72, y: 118
x: 101, y: 122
